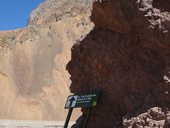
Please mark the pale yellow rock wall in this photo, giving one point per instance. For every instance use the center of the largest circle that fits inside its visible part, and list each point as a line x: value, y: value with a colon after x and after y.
x: 34, y: 83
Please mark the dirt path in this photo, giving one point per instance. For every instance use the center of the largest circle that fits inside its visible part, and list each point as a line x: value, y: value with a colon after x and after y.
x: 31, y: 124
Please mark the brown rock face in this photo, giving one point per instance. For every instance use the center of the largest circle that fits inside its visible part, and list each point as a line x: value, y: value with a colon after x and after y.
x: 127, y: 58
x: 152, y: 118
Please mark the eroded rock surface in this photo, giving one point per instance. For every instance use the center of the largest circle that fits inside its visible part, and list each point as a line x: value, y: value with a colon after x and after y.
x: 34, y: 83
x: 127, y: 58
x: 152, y: 118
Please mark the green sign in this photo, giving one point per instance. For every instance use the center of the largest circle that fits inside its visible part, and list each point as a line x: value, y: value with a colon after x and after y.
x: 84, y: 100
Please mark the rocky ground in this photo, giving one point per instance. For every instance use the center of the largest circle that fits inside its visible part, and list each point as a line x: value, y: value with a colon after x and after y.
x: 32, y: 124
x: 153, y: 118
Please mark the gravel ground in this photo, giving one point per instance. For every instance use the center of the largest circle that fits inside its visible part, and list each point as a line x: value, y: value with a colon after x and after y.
x: 31, y: 124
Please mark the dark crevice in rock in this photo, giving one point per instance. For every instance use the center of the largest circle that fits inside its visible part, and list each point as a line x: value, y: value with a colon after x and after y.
x: 163, y: 5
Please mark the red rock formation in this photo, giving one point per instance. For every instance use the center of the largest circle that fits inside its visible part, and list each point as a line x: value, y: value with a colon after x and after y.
x: 153, y: 118
x: 126, y: 57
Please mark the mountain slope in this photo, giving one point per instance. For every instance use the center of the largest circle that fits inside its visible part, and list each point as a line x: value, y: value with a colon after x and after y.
x: 34, y: 83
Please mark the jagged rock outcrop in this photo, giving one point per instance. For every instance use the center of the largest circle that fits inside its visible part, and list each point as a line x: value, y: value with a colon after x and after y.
x: 125, y: 57
x: 152, y: 118
x: 34, y: 83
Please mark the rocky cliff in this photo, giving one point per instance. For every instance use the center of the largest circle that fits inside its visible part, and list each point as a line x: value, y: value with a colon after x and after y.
x: 34, y: 83
x: 127, y: 58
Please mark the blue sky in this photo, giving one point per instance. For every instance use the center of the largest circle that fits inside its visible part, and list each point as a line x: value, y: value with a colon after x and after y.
x: 14, y: 13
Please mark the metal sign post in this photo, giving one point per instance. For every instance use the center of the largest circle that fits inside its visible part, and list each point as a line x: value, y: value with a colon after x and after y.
x: 88, y: 100
x: 68, y: 117
x: 87, y: 117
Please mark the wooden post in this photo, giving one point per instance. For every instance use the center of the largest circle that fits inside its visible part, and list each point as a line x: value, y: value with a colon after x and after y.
x: 68, y: 117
